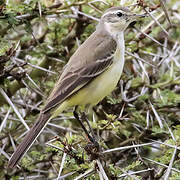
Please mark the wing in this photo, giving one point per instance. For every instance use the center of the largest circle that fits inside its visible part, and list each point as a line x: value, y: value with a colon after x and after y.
x: 76, y: 76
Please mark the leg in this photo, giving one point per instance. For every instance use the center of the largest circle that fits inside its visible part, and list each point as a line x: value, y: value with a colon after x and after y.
x: 83, y: 117
x: 93, y: 147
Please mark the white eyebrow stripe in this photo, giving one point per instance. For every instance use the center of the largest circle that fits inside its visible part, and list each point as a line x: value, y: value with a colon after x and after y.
x: 113, y: 12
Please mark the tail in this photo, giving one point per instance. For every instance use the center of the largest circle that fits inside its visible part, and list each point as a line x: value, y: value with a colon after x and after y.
x: 29, y: 139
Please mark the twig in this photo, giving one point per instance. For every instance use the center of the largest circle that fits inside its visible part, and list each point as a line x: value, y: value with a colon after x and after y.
x: 137, y: 172
x: 148, y: 27
x: 5, y: 119
x: 4, y: 153
x: 53, y: 146
x: 162, y: 2
x: 101, y: 169
x: 62, y: 128
x: 62, y: 164
x: 174, y: 169
x: 170, y: 165
x: 66, y: 175
x: 140, y: 59
x: 156, y: 115
x: 88, y: 16
x: 14, y: 108
x: 34, y: 66
x: 157, y: 22
x: 126, y: 147
x: 84, y: 175
x: 128, y: 174
x: 151, y: 38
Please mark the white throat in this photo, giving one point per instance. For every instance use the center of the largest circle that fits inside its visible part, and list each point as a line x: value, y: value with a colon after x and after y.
x: 119, y: 53
x: 113, y: 30
x: 120, y: 50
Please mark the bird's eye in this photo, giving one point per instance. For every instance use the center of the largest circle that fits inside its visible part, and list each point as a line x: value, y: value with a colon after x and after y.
x: 119, y: 14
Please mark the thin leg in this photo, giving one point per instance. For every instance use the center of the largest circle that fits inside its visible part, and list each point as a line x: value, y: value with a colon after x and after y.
x: 82, y: 125
x: 87, y: 121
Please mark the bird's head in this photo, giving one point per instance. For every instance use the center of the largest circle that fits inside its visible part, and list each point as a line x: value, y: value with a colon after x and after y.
x: 117, y: 19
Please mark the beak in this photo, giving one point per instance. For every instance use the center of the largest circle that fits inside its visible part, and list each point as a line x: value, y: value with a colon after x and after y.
x: 140, y: 15
x: 135, y: 17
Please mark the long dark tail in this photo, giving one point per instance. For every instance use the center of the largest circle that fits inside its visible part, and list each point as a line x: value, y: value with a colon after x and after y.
x: 29, y: 139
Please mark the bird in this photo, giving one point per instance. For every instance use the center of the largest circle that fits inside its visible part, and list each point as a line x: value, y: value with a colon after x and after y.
x: 91, y: 73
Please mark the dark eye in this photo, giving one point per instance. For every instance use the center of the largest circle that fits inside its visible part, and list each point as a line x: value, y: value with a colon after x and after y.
x: 119, y: 14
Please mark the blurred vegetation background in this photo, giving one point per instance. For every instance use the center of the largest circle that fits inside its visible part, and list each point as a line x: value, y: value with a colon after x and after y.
x: 141, y: 118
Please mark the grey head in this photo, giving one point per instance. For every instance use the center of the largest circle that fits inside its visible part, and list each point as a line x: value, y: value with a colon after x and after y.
x: 117, y: 19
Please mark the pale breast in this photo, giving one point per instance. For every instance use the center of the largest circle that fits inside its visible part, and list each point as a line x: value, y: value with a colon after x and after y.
x: 100, y: 87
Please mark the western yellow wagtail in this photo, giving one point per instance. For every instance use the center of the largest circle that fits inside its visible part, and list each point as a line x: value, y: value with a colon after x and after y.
x: 92, y: 73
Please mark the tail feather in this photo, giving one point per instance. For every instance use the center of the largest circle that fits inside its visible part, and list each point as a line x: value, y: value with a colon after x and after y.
x: 32, y: 135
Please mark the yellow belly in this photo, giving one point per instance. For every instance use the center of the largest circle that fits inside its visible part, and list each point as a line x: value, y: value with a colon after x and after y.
x: 100, y: 87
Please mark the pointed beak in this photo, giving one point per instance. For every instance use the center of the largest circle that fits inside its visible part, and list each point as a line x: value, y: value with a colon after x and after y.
x: 140, y: 15
x: 135, y: 17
